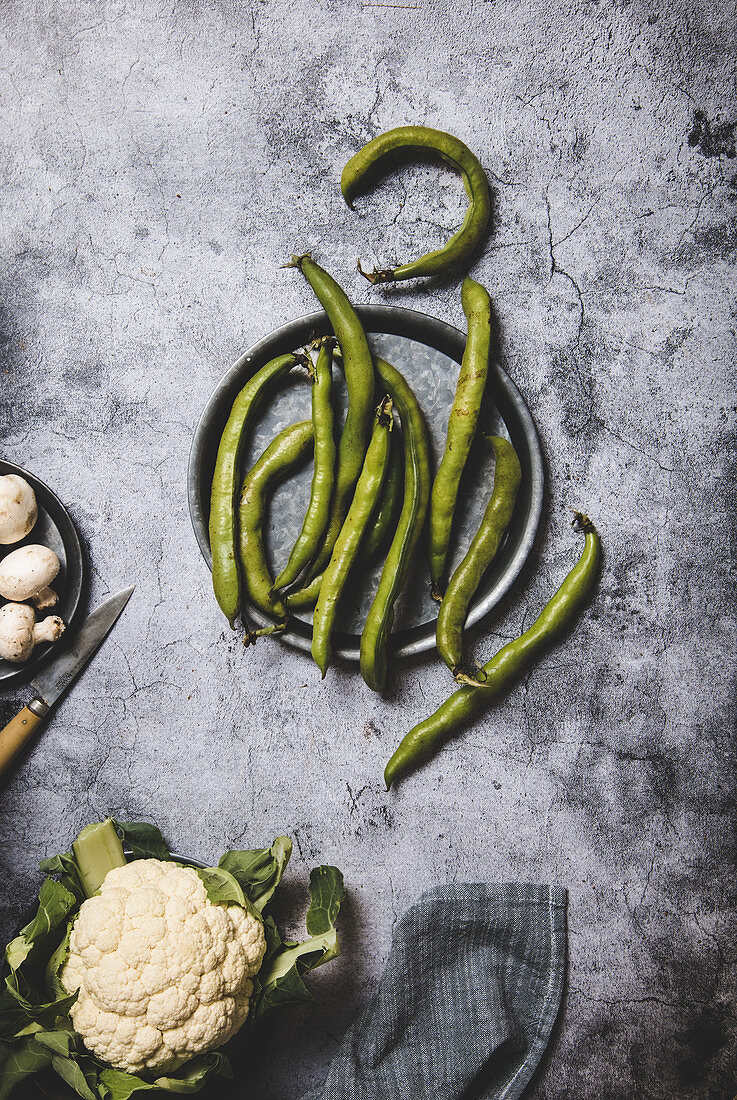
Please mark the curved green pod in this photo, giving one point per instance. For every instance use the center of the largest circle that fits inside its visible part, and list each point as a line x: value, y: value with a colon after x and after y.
x: 398, y: 561
x: 284, y: 454
x: 462, y: 423
x: 465, y: 241
x: 424, y: 739
x: 363, y: 506
x: 359, y: 375
x: 387, y: 513
x: 225, y: 483
x: 321, y: 492
x: 484, y: 545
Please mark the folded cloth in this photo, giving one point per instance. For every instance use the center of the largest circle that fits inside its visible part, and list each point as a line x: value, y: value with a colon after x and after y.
x: 467, y: 1000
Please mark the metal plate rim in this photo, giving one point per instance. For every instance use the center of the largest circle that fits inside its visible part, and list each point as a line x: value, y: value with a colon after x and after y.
x: 376, y: 319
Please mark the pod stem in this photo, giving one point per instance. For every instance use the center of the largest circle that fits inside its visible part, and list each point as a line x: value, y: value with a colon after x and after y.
x: 304, y: 360
x: 385, y: 275
x: 581, y: 522
x: 384, y: 411
x: 463, y: 678
x: 275, y: 628
x: 317, y: 342
x: 296, y: 261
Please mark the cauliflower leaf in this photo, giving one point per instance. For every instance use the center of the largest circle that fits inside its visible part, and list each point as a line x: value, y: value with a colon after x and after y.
x: 143, y: 840
x: 24, y: 998
x: 19, y: 1061
x: 259, y: 871
x: 116, y: 1085
x: 280, y: 978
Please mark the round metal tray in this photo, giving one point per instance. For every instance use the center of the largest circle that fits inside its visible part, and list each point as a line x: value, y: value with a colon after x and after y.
x: 428, y: 352
x: 53, y: 528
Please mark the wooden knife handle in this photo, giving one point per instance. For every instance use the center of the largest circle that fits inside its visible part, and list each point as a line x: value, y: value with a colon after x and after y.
x: 18, y: 731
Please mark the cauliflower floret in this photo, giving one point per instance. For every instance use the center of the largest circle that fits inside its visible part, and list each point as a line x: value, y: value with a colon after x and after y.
x: 250, y: 935
x: 162, y: 973
x: 211, y: 987
x: 99, y: 929
x: 222, y: 1019
x: 115, y: 986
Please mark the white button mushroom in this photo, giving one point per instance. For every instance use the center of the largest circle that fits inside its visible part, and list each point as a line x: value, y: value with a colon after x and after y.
x: 19, y: 631
x: 18, y: 509
x: 26, y: 573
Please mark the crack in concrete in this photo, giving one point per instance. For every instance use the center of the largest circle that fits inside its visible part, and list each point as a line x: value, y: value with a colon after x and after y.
x: 555, y: 269
x: 633, y: 446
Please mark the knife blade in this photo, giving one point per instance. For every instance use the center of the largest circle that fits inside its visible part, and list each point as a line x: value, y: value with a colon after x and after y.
x: 54, y: 680
x: 51, y: 683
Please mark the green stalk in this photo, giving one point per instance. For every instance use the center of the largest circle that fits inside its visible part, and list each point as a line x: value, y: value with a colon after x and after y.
x: 97, y: 850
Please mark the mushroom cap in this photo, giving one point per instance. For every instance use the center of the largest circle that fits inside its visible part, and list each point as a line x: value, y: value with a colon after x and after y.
x: 27, y: 570
x: 17, y: 621
x: 18, y: 509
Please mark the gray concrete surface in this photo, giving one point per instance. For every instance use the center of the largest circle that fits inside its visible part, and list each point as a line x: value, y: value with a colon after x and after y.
x: 159, y: 161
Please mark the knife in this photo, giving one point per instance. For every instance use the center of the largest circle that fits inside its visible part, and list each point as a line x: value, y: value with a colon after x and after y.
x: 59, y: 674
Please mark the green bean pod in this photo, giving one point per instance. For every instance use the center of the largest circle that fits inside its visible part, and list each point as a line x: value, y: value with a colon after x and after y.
x: 424, y: 740
x: 387, y: 514
x: 380, y: 531
x: 318, y: 509
x: 397, y: 564
x: 484, y: 545
x: 290, y: 448
x: 359, y: 376
x: 465, y: 242
x: 225, y: 482
x: 363, y: 506
x: 304, y: 598
x: 461, y: 427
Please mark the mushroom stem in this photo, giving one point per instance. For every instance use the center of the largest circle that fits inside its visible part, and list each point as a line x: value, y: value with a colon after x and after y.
x: 45, y: 599
x: 49, y: 629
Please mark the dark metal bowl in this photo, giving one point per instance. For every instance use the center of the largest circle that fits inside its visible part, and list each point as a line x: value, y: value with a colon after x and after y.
x: 53, y: 528
x: 427, y: 351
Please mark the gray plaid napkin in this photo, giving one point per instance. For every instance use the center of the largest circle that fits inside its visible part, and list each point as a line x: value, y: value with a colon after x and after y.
x: 467, y: 1000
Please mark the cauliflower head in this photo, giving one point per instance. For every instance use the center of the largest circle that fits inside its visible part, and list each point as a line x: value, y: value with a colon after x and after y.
x: 162, y: 973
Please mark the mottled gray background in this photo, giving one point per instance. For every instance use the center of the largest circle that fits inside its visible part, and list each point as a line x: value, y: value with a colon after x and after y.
x: 159, y: 160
